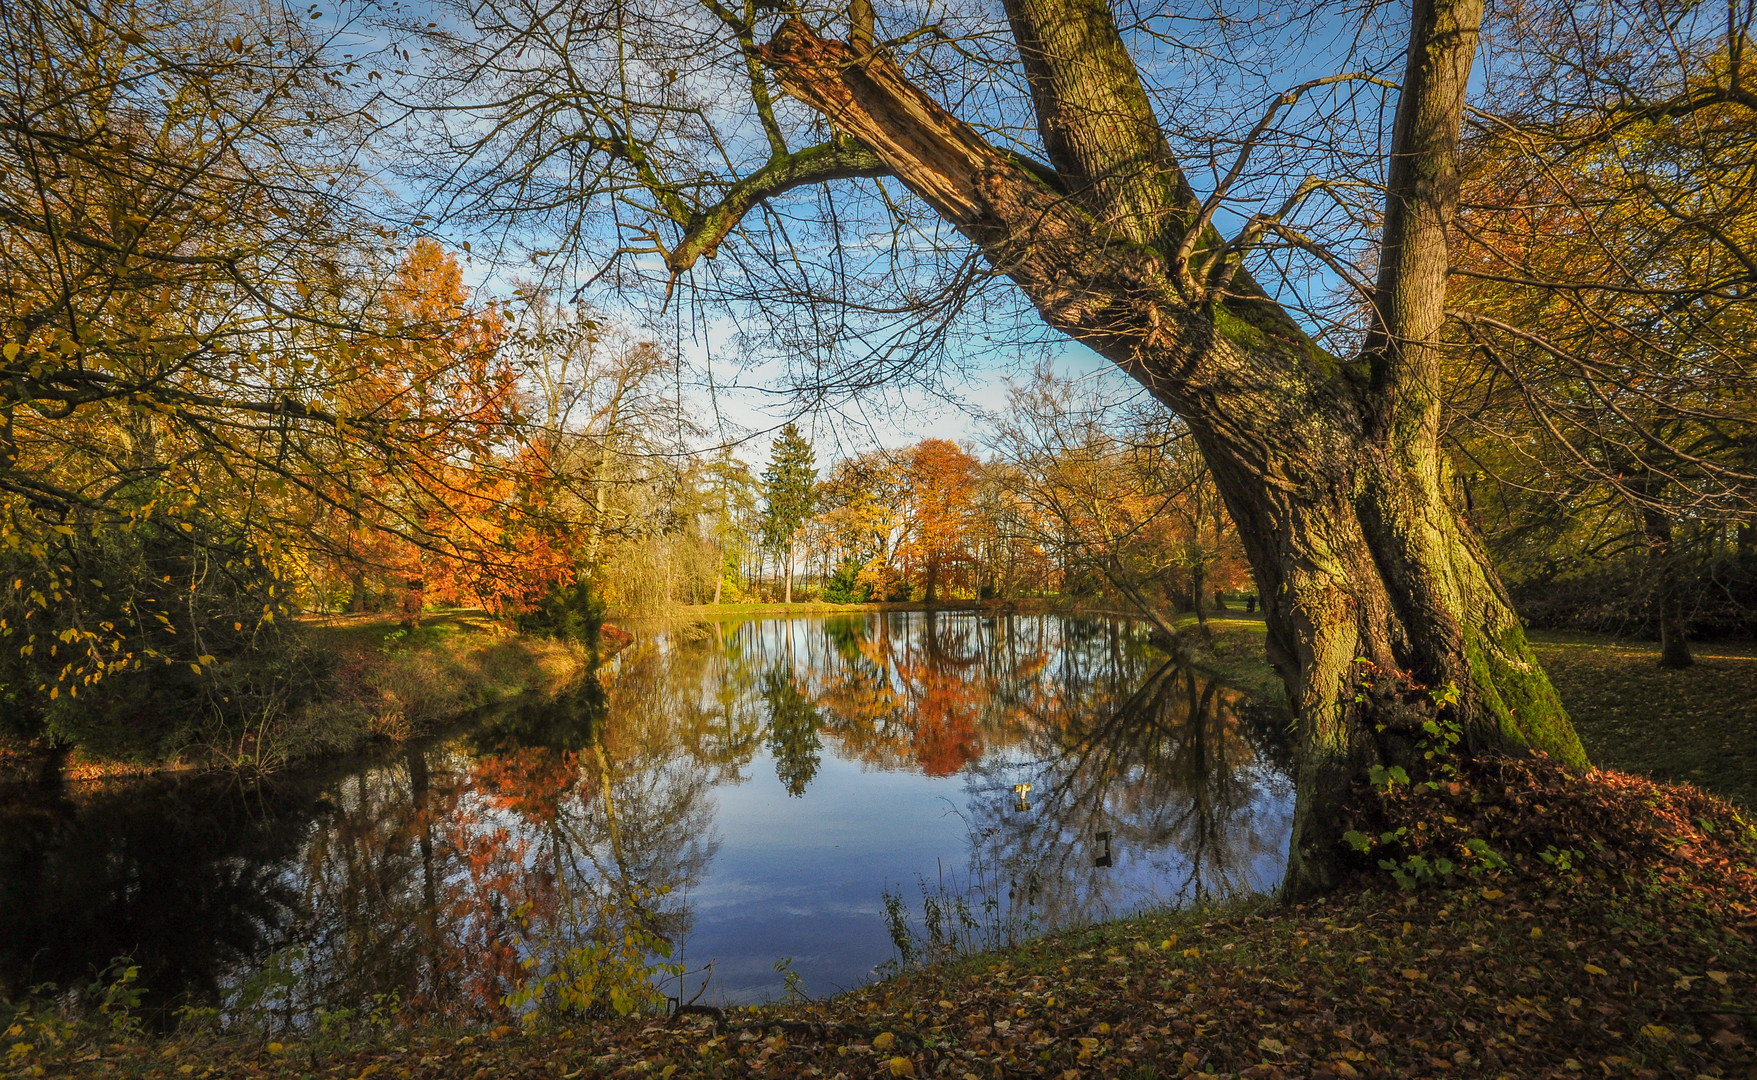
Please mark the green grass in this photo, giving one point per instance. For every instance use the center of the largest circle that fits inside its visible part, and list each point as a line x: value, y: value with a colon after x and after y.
x: 1698, y: 725
x: 1695, y: 726
x: 1235, y: 654
x: 393, y: 684
x: 380, y: 630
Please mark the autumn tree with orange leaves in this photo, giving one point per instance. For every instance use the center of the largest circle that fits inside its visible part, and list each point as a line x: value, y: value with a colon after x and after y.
x: 942, y: 482
x: 459, y: 518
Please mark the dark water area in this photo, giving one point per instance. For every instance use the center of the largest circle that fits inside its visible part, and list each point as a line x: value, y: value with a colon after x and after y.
x: 798, y: 791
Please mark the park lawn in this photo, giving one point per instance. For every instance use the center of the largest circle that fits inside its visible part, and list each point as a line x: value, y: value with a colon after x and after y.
x: 1695, y: 726
x: 392, y: 683
x: 1698, y: 725
x: 1233, y: 651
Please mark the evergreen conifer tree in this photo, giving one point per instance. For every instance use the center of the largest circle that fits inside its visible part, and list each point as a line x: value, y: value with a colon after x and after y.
x: 787, y: 491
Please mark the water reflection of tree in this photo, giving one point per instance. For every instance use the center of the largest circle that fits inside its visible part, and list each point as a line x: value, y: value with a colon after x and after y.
x: 1177, y: 769
x: 182, y: 876
x: 430, y: 878
x: 931, y: 692
x: 793, y: 731
x: 438, y: 881
x: 1169, y: 769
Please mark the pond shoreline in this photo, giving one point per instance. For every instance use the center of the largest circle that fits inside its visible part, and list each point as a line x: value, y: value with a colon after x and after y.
x: 387, y: 688
x: 1519, y: 977
x: 383, y: 686
x: 1638, y: 960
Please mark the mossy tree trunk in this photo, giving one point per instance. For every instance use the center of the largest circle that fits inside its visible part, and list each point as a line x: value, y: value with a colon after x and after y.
x: 1383, y: 611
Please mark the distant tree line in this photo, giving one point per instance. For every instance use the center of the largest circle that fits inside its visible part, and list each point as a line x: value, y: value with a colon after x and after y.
x: 1063, y: 494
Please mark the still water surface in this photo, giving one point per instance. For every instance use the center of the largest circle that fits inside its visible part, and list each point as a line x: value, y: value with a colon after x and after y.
x: 763, y: 790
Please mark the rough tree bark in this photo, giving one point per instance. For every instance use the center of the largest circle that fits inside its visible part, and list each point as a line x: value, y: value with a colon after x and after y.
x: 1666, y: 601
x: 1383, y: 611
x: 1662, y: 567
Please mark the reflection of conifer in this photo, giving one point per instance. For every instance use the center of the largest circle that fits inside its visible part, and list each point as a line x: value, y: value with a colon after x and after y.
x: 793, y: 727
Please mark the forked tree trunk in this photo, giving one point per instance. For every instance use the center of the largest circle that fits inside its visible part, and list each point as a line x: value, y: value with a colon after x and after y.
x: 1383, y: 611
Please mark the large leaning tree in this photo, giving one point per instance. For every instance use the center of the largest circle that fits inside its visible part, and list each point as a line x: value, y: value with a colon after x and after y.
x: 695, y: 141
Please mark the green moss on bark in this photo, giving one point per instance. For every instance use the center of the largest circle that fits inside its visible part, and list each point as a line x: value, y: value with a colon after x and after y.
x: 1529, y: 710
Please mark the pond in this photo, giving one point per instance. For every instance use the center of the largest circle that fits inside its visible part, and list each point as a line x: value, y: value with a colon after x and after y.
x: 784, y: 806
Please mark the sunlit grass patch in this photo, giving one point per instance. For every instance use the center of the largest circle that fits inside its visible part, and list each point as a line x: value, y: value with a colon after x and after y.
x: 1697, y: 725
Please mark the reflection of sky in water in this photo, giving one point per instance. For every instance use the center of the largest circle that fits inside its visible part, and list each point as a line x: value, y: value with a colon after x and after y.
x: 429, y: 874
x: 802, y: 877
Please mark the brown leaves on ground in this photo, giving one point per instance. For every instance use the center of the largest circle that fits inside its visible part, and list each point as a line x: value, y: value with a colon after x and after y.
x: 1614, y: 825
x: 1590, y: 974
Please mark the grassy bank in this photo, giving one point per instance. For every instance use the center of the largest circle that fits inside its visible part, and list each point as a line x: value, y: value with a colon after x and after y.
x: 1694, y: 726
x: 1698, y: 725
x: 1231, y: 649
x: 353, y: 681
x: 392, y: 684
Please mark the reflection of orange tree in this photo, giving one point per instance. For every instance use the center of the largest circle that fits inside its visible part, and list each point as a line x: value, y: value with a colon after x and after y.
x: 519, y: 879
x: 932, y: 695
x: 412, y: 895
x: 612, y: 830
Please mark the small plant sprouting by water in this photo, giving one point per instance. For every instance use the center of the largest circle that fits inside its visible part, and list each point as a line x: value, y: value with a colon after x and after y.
x: 957, y: 920
x: 49, y: 1018
x: 897, y: 923
x: 793, y: 987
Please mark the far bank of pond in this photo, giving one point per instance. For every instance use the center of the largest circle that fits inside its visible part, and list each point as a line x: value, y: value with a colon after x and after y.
x: 348, y: 683
x: 825, y: 794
